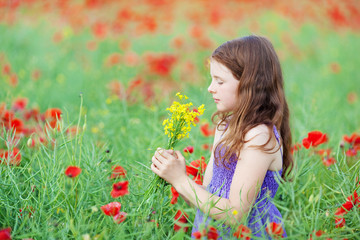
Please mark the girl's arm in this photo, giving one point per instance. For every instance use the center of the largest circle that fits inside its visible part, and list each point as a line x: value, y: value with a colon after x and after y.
x: 248, y: 176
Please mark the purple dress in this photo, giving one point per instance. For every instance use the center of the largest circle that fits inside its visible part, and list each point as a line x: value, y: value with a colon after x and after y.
x: 262, y: 212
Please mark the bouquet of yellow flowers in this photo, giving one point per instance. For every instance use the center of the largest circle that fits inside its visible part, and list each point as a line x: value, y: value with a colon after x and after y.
x: 182, y: 116
x: 178, y: 125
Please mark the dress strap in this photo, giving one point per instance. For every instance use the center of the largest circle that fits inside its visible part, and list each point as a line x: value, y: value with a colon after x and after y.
x: 277, y: 136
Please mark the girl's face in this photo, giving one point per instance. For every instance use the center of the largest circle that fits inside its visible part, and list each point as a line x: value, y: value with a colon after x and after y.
x: 223, y: 87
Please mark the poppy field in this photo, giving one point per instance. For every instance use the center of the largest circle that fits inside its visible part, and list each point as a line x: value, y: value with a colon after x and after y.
x: 84, y: 90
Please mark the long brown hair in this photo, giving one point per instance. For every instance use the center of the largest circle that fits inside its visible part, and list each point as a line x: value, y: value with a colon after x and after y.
x: 254, y: 62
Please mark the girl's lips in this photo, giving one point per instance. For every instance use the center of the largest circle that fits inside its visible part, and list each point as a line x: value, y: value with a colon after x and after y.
x: 216, y: 100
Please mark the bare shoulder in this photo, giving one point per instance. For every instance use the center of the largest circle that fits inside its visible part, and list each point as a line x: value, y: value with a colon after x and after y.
x: 258, y: 136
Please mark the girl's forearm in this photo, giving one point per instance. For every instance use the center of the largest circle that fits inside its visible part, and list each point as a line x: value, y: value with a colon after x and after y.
x: 187, y: 200
x: 218, y: 208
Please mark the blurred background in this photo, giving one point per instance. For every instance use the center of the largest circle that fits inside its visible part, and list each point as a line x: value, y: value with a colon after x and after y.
x: 139, y: 52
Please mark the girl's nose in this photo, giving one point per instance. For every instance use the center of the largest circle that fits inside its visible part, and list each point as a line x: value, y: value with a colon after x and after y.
x: 211, y: 88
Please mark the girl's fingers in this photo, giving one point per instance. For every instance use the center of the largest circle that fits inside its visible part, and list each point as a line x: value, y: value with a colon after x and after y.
x: 158, y: 164
x: 158, y: 157
x: 155, y: 169
x: 159, y: 153
x: 179, y: 156
x: 163, y: 155
x: 170, y: 151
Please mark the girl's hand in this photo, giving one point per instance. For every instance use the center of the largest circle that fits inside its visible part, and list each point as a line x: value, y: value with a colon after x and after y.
x: 169, y: 165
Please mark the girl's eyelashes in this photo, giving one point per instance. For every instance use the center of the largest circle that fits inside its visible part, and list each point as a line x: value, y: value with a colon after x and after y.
x: 218, y: 81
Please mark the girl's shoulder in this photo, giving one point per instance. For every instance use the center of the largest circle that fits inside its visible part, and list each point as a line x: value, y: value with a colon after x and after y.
x: 258, y: 135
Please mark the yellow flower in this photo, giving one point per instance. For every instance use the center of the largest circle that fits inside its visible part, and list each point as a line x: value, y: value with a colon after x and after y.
x: 181, y: 117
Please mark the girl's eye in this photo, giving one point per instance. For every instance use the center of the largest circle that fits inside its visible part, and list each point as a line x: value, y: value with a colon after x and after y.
x: 220, y: 83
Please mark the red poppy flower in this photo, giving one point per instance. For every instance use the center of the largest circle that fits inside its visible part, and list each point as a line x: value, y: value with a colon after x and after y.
x: 5, y: 234
x: 125, y: 14
x: 205, y: 146
x: 180, y: 217
x: 137, y: 82
x: 348, y: 205
x: 243, y: 232
x: 7, y: 116
x: 206, y: 131
x: 148, y: 23
x: 335, y: 67
x: 197, y: 166
x: 175, y: 195
x: 196, y: 31
x: 52, y: 125
x: 317, y: 234
x: 189, y: 149
x: 120, y: 189
x: 13, y: 157
x: 295, y: 148
x: 351, y: 152
x: 161, y: 65
x: 99, y: 30
x: 14, y: 80
x: 32, y: 113
x: 339, y: 222
x: 314, y: 139
x: 177, y: 42
x: 72, y: 131
x: 72, y: 171
x: 340, y: 211
x: 197, y: 235
x: 353, y: 139
x: 275, y: 229
x: 17, y: 125
x: 19, y: 104
x: 131, y: 59
x: 337, y: 16
x: 118, y: 171
x: 54, y: 113
x: 198, y: 179
x: 196, y: 119
x: 111, y: 209
x: 113, y: 59
x: 212, y: 233
x: 323, y: 152
x: 6, y: 69
x: 120, y: 217
x: 328, y: 161
x: 352, y: 97
x: 352, y: 200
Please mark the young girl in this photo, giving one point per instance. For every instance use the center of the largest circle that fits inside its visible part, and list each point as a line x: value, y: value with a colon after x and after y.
x: 249, y: 152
